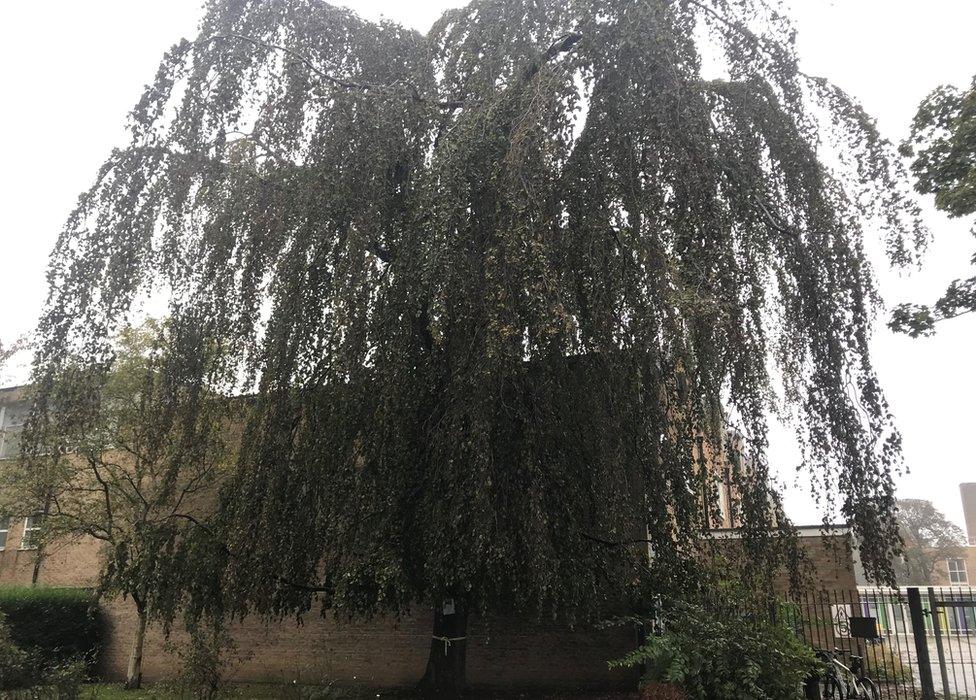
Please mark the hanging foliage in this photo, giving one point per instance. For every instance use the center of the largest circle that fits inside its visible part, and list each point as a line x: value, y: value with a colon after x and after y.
x: 493, y: 291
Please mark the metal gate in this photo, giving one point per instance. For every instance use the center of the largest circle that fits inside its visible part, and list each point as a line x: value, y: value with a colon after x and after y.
x: 915, y: 643
x: 952, y: 616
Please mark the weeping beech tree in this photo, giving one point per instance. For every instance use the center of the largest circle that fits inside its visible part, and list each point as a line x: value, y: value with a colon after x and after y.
x: 492, y: 292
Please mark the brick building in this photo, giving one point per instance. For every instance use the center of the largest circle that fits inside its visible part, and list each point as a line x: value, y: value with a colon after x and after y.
x: 501, y: 652
x: 968, y: 493
x: 959, y: 568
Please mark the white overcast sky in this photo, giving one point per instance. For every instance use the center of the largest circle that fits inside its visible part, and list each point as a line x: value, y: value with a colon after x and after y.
x: 70, y: 71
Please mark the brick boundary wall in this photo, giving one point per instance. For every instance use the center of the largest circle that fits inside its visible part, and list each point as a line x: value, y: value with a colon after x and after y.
x: 502, y: 652
x: 386, y: 653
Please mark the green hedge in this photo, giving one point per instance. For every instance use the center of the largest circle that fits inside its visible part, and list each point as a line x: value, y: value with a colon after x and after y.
x: 56, y: 624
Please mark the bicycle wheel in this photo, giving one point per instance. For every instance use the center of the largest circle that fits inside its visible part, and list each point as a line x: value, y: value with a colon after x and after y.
x: 873, y: 692
x: 831, y: 688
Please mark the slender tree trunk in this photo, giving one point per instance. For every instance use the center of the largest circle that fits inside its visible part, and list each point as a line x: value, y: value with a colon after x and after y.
x: 39, y: 554
x: 36, y: 572
x: 444, y: 677
x: 133, y: 676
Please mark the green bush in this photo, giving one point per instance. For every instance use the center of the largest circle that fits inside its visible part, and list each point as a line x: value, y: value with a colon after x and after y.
x: 726, y: 648
x: 201, y: 674
x: 14, y: 661
x: 26, y: 671
x: 55, y: 626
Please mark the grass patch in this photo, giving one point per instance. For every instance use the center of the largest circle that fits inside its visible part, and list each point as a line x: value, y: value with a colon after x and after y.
x: 257, y: 691
x: 262, y: 691
x: 113, y: 691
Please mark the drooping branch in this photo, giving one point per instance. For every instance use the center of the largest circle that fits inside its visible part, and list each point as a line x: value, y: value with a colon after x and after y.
x: 304, y: 60
x: 562, y: 45
x: 224, y: 548
x: 338, y: 82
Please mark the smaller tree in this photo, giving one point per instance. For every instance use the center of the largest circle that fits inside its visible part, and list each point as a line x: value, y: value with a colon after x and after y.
x: 943, y: 145
x: 6, y: 351
x: 134, y: 471
x: 9, y: 350
x: 928, y: 536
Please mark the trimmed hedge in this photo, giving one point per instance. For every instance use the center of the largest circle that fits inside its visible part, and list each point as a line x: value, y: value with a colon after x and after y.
x: 56, y: 624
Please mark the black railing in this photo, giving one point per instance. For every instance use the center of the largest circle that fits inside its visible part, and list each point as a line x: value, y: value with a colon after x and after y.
x: 915, y: 643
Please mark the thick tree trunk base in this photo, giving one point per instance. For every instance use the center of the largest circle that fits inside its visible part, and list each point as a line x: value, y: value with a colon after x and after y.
x: 445, y: 673
x: 133, y: 676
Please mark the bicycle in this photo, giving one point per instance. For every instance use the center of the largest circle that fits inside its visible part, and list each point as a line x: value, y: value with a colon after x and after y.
x: 841, y: 682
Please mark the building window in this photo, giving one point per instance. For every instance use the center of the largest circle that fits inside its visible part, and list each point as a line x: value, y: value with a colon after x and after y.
x: 32, y: 531
x: 9, y: 443
x: 957, y: 571
x: 11, y: 426
x: 4, y: 529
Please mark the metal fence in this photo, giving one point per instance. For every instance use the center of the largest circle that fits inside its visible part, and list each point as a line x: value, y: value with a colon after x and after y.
x: 915, y: 643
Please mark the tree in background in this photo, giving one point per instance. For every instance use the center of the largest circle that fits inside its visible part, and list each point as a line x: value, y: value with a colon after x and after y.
x: 490, y: 288
x: 8, y: 351
x: 929, y: 538
x: 943, y: 144
x: 130, y: 465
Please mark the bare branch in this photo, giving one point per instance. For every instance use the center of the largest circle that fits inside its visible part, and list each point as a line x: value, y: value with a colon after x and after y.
x: 562, y: 45
x: 105, y: 491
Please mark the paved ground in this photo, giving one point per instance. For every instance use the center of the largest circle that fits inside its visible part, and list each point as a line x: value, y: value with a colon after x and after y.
x: 960, y: 666
x: 960, y: 656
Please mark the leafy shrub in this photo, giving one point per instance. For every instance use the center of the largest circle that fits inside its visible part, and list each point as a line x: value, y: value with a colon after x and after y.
x: 14, y: 661
x: 24, y: 670
x: 63, y: 680
x: 724, y: 649
x: 204, y: 659
x: 884, y: 663
x: 201, y: 673
x: 56, y: 626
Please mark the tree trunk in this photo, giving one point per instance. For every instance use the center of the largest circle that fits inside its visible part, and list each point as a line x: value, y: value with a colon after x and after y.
x: 444, y: 677
x: 36, y: 571
x: 133, y: 676
x: 39, y: 554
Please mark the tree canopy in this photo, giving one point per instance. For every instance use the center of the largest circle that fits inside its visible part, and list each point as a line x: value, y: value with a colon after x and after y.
x: 10, y: 350
x: 492, y: 291
x: 929, y: 538
x: 134, y: 471
x: 943, y: 144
